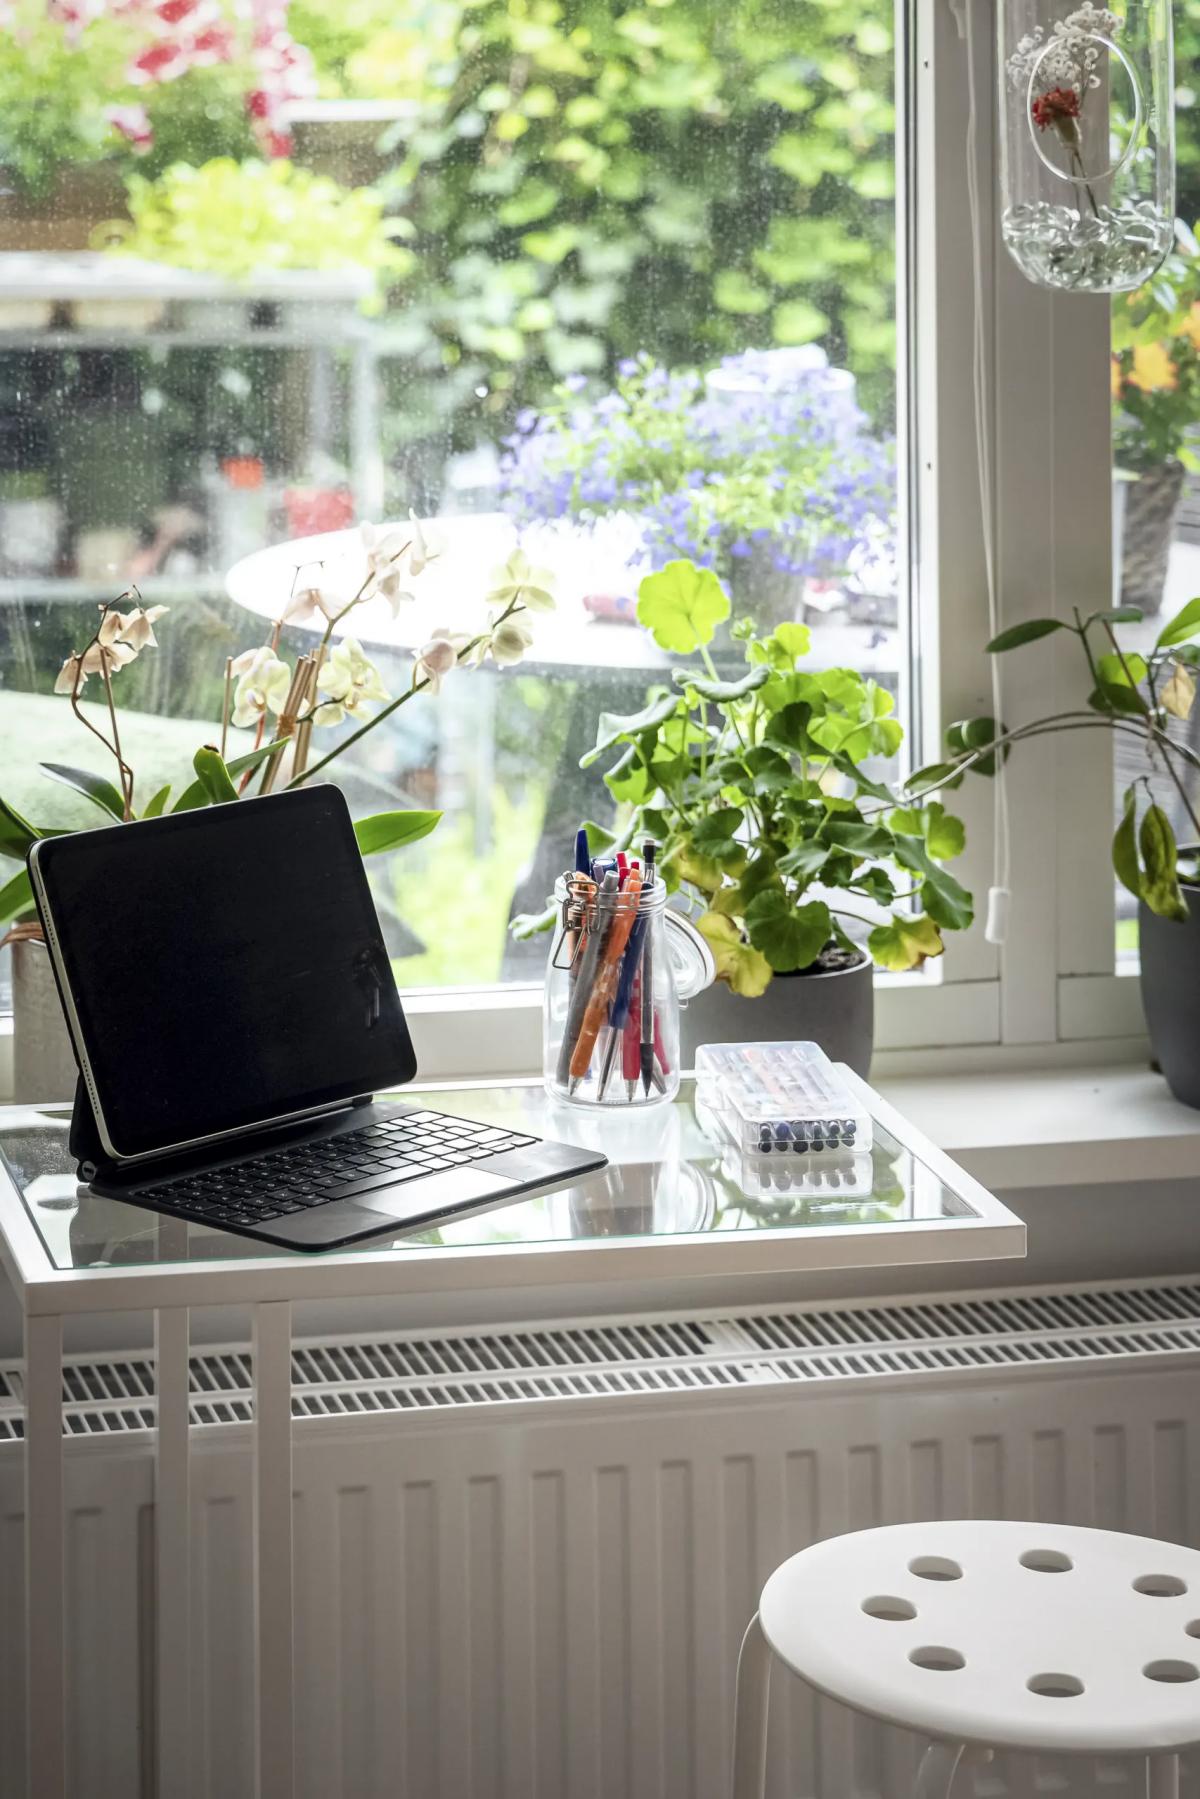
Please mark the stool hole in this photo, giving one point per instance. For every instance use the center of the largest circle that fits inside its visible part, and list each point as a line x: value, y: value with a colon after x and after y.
x: 1193, y: 1629
x: 937, y: 1658
x: 1160, y: 1586
x: 1047, y: 1561
x: 889, y: 1608
x: 1055, y: 1686
x: 1171, y: 1673
x: 934, y: 1567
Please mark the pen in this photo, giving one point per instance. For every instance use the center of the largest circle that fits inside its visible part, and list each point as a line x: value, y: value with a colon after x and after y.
x: 583, y: 856
x: 624, y: 999
x: 581, y: 991
x: 605, y: 979
x: 646, y: 1020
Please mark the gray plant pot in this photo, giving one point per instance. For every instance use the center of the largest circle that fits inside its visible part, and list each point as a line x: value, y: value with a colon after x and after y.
x: 836, y: 1010
x: 43, y: 1061
x: 1170, y: 957
x: 1148, y: 530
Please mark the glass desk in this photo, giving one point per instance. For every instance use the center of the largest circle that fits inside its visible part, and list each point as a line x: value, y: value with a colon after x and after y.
x: 671, y: 1203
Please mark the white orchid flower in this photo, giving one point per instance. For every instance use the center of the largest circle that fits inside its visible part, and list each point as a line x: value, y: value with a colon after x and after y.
x: 70, y: 674
x: 517, y: 579
x: 137, y: 627
x: 422, y: 550
x: 508, y: 642
x: 309, y: 606
x: 435, y: 659
x: 106, y: 658
x: 263, y: 680
x: 351, y: 682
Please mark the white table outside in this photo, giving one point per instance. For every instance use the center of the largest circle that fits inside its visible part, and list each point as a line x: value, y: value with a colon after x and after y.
x: 667, y: 1205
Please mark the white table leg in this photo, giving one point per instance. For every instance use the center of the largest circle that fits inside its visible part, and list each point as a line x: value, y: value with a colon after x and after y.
x: 1162, y: 1777
x: 273, y: 1548
x: 44, y: 1585
x: 750, y: 1714
x: 172, y: 1539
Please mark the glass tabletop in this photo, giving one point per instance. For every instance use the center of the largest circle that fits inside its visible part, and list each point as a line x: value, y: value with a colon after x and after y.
x: 670, y: 1174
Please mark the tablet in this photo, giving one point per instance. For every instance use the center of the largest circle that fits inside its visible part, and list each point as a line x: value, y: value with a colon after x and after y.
x: 220, y: 969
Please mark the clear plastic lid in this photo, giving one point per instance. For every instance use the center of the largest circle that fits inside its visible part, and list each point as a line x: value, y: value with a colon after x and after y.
x: 781, y: 1099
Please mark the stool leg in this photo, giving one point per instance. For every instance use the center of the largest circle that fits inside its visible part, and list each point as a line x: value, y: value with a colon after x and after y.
x: 750, y: 1714
x: 1162, y: 1777
x: 935, y: 1776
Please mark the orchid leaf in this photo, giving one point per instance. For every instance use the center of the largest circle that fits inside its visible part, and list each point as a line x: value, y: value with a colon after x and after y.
x: 391, y: 830
x: 197, y: 794
x: 16, y: 897
x: 94, y: 787
x: 17, y: 835
x: 156, y: 807
x: 213, y: 775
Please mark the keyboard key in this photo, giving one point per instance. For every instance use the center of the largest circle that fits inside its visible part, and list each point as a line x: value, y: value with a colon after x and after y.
x: 403, y: 1171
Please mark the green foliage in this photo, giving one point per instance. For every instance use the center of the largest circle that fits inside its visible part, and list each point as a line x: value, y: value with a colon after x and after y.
x: 767, y: 815
x: 236, y: 219
x: 1133, y: 694
x: 389, y: 830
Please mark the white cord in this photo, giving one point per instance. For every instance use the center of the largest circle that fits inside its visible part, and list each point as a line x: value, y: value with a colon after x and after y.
x: 999, y: 895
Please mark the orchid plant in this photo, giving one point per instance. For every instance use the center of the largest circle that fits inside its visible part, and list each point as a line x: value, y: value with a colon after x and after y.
x: 282, y: 702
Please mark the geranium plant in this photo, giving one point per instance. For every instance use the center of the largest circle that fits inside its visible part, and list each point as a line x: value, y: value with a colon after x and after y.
x: 1156, y: 365
x: 713, y: 469
x: 282, y: 701
x: 759, y: 791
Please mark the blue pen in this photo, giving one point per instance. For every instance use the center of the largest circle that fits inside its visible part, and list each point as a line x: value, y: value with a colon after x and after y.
x: 619, y: 1016
x: 583, y: 857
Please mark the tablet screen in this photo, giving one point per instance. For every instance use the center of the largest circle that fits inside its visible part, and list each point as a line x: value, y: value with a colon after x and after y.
x: 225, y: 965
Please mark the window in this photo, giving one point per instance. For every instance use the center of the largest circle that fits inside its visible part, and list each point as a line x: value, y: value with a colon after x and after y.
x: 606, y: 251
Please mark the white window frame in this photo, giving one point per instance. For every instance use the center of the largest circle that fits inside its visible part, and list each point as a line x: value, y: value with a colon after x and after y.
x: 1051, y: 992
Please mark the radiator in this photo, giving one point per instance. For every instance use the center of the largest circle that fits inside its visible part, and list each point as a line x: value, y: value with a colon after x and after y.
x: 525, y: 1556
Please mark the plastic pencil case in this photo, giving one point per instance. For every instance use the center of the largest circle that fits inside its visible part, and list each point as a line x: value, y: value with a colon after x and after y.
x: 781, y: 1099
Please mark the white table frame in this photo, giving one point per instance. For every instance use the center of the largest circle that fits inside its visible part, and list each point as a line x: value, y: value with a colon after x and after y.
x: 270, y: 1286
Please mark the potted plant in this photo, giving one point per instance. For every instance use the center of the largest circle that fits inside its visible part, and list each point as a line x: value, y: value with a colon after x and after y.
x: 1135, y: 696
x: 1156, y: 402
x: 762, y: 471
x: 262, y: 222
x: 800, y: 867
x: 281, y: 703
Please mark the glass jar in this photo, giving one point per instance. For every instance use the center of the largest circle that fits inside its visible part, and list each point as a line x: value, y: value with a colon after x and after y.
x: 616, y: 977
x: 1087, y: 141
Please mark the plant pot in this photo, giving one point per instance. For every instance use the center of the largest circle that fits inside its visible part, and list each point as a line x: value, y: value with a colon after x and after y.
x: 835, y: 1010
x: 1148, y: 529
x: 1170, y: 956
x: 43, y: 1060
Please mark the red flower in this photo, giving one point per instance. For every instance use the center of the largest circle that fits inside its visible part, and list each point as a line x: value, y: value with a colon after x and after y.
x: 172, y: 11
x: 1055, y: 108
x: 159, y: 62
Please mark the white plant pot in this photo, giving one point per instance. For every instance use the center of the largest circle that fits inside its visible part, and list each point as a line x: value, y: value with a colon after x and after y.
x: 43, y: 1061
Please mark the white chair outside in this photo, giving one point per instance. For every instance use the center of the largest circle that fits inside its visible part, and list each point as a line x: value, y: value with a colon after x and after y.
x: 983, y: 1636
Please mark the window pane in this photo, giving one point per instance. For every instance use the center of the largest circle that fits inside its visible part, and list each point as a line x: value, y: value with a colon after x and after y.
x: 622, y: 276
x: 1156, y: 487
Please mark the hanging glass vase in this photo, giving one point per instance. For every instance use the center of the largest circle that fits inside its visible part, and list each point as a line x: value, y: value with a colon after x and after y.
x: 1087, y: 141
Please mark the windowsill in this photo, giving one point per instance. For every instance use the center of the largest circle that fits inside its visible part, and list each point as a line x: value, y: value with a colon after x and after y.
x: 1054, y: 1127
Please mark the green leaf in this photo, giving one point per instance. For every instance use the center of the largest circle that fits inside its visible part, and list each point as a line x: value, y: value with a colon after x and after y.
x: 969, y: 735
x: 615, y: 727
x: 157, y: 805
x: 213, y: 775
x: 715, y: 835
x: 770, y: 771
x: 1127, y: 670
x: 531, y: 924
x: 936, y: 774
x: 102, y: 793
x: 723, y: 690
x: 1160, y: 884
x: 944, y: 834
x: 17, y: 835
x: 627, y: 780
x: 905, y: 943
x: 793, y: 640
x: 598, y: 838
x: 197, y: 794
x: 1124, y: 849
x: 789, y: 726
x: 806, y: 860
x: 745, y: 969
x: 1116, y: 696
x: 681, y: 606
x: 389, y: 830
x: 861, y: 839
x: 16, y: 897
x: 1185, y: 624
x: 1027, y: 632
x: 791, y: 937
x: 946, y: 901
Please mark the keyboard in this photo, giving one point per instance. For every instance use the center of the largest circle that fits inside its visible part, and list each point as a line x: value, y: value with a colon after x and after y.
x: 332, y: 1168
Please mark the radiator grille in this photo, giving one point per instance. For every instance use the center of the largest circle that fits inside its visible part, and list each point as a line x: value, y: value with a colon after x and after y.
x: 355, y: 1375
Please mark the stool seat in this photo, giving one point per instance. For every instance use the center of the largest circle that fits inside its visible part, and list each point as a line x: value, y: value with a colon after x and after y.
x: 1023, y: 1636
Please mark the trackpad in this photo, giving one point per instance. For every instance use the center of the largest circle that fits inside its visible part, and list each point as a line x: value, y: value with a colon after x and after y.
x: 434, y: 1193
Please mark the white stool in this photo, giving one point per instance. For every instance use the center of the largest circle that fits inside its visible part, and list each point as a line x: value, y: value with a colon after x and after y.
x: 989, y: 1636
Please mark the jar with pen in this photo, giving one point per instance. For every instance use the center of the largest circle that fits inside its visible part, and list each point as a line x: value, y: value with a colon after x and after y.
x: 621, y: 964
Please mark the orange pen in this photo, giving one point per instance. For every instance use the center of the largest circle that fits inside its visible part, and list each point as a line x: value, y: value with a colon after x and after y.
x: 606, y: 976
